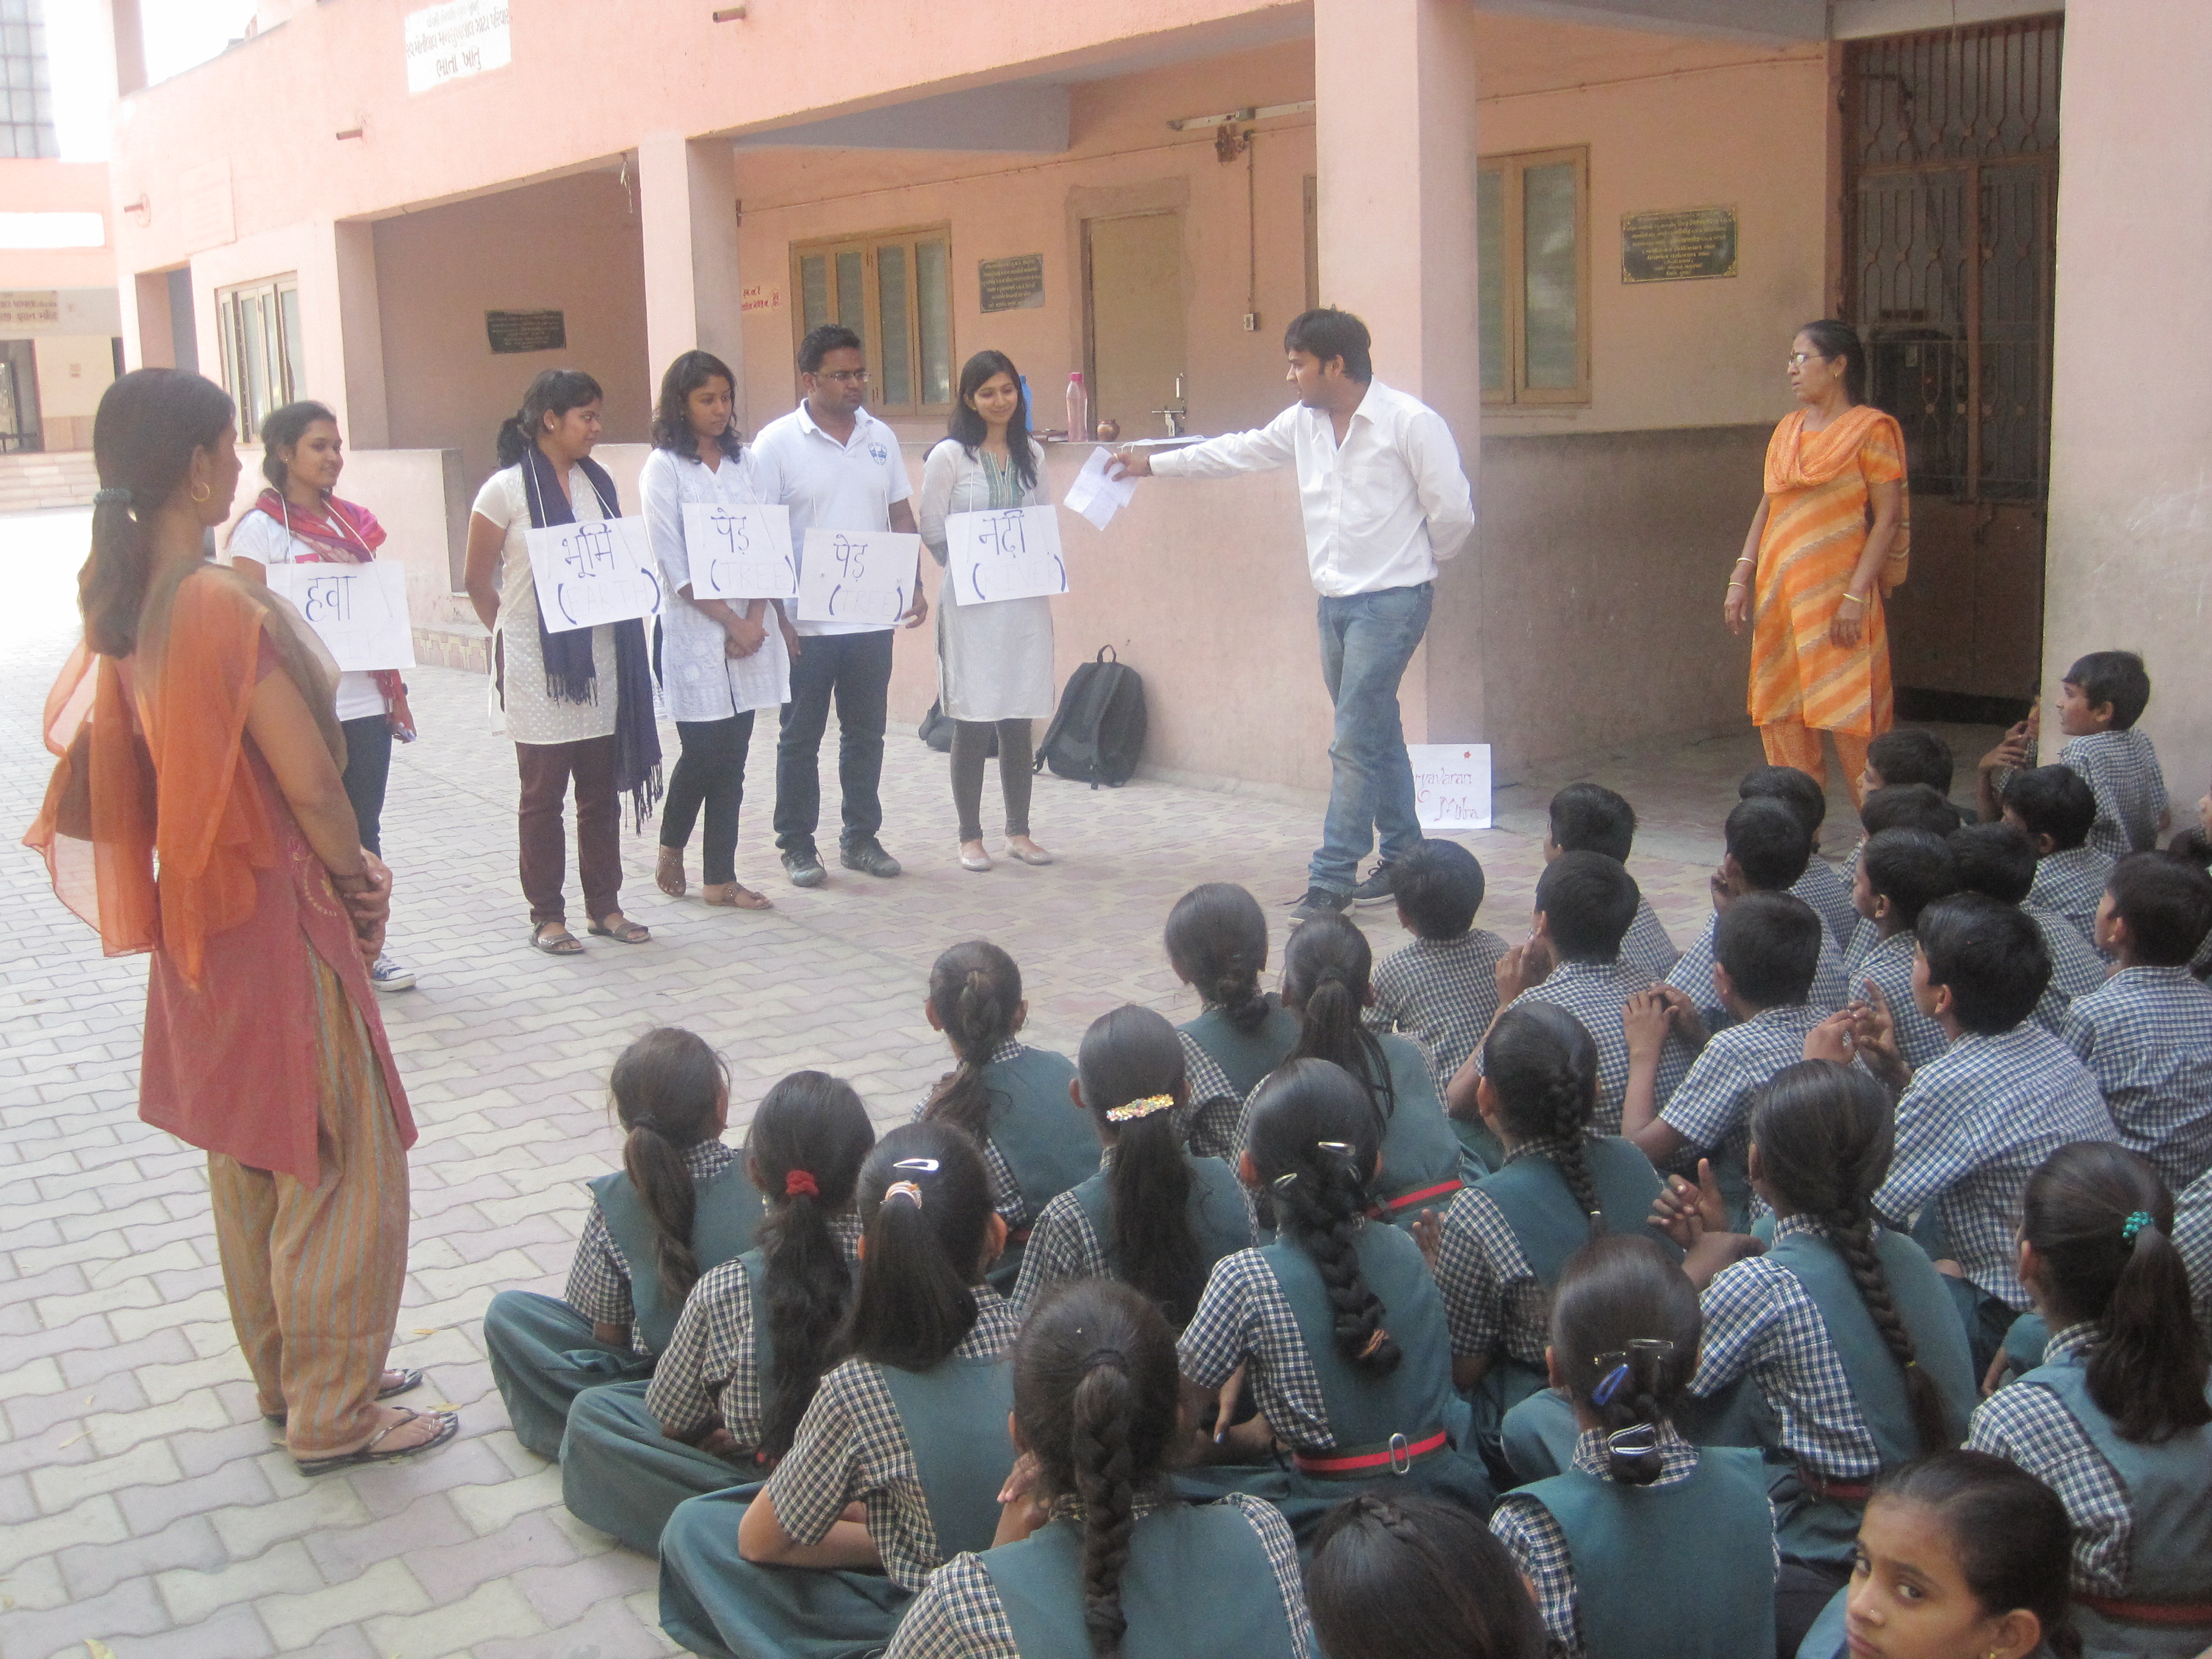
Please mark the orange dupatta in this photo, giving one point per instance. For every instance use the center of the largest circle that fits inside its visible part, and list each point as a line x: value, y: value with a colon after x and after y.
x: 1798, y: 459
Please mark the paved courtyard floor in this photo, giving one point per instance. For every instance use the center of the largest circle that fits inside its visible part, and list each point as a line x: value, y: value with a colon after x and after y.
x: 145, y: 1509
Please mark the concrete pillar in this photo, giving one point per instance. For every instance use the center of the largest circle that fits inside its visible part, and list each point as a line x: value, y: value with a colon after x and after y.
x: 342, y: 325
x: 687, y: 208
x: 148, y: 334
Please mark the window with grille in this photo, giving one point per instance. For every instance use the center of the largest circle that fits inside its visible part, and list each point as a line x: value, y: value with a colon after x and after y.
x: 261, y: 364
x: 26, y: 120
x: 895, y: 291
x: 1532, y: 275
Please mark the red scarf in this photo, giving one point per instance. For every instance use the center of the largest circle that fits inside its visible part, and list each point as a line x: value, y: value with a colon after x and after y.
x: 344, y: 533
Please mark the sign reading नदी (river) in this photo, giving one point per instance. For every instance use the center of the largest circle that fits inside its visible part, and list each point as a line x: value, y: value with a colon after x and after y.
x: 1676, y: 247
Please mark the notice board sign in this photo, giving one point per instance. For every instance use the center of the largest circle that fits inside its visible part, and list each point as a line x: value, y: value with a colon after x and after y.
x: 453, y: 41
x: 1678, y: 246
x: 1013, y: 284
x: 1451, y: 784
x: 526, y: 330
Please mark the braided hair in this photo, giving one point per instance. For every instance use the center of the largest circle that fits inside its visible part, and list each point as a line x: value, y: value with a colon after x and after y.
x: 1412, y: 1578
x: 1325, y: 982
x: 1130, y: 1054
x: 1541, y: 1065
x: 668, y: 1090
x: 1624, y: 1329
x: 1823, y: 1133
x: 1096, y: 1394
x: 975, y: 990
x: 1314, y: 1140
x: 1216, y: 941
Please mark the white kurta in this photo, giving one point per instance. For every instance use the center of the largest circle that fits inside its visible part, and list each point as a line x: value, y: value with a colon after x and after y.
x: 994, y: 660
x: 699, y: 679
x: 530, y: 714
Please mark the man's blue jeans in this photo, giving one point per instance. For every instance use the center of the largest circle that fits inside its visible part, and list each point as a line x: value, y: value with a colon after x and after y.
x: 1366, y: 639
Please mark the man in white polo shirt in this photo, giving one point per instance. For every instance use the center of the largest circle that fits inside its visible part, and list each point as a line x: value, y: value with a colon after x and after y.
x: 836, y: 467
x: 1384, y: 498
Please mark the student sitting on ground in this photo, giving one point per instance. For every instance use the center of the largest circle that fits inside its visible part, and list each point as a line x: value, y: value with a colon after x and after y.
x: 1217, y: 942
x: 1901, y: 806
x: 680, y: 1205
x: 1441, y: 987
x: 1010, y: 1099
x: 1768, y: 851
x: 755, y: 1337
x: 1404, y: 1578
x: 1584, y: 902
x: 1588, y: 817
x: 2115, y: 1418
x: 912, y: 1428
x: 1902, y: 874
x: 1695, y: 1523
x: 1153, y: 1217
x: 1820, y: 886
x: 1093, y: 1554
x: 1907, y: 755
x: 2101, y: 700
x: 1998, y: 861
x: 2146, y: 1035
x: 2056, y: 810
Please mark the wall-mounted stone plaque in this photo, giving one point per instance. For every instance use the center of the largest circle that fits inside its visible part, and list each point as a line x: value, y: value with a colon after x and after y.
x: 526, y: 330
x: 1013, y: 284
x: 1680, y: 246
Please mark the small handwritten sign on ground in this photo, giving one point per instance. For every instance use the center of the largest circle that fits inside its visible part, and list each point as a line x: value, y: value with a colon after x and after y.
x: 1451, y: 784
x: 740, y: 552
x: 1010, y: 554
x: 360, y: 610
x: 600, y: 571
x: 857, y: 576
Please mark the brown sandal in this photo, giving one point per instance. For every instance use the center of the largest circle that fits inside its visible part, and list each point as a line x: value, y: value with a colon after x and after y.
x: 625, y: 932
x: 562, y: 943
x: 449, y: 1425
x: 736, y: 896
x: 668, y: 873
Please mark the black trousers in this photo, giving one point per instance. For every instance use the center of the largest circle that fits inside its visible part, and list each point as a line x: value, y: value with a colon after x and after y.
x: 367, y: 769
x: 854, y: 671
x: 711, y: 772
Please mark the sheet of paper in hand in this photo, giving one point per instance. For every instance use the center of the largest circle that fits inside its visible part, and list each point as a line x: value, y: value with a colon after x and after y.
x: 1451, y: 784
x: 1010, y: 554
x: 359, y: 610
x: 601, y: 571
x: 740, y: 552
x: 857, y: 576
x: 1094, y: 494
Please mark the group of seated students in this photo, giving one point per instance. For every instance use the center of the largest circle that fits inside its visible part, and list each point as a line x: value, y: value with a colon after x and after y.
x: 1829, y: 1287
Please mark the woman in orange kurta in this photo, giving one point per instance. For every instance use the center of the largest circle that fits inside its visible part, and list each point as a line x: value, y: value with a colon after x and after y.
x: 197, y: 813
x: 1826, y: 546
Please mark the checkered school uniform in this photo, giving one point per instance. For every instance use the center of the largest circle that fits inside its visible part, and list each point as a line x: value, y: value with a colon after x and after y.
x: 1693, y: 976
x: 1711, y: 1108
x: 1006, y: 1191
x: 1443, y: 994
x: 2146, y: 1037
x: 1830, y: 896
x: 2071, y: 883
x: 1974, y: 1125
x: 851, y: 1446
x: 1646, y: 947
x: 2122, y: 770
x: 1596, y: 993
x: 1888, y: 964
x: 1493, y: 1301
x: 960, y: 1615
x: 2192, y: 1236
x: 1244, y: 1315
x: 2076, y: 969
x: 598, y: 1280
x: 1216, y: 1108
x: 710, y: 1375
x: 2029, y: 1425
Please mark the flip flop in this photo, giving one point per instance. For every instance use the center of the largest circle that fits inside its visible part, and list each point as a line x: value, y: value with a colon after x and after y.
x: 562, y: 944
x: 741, y: 897
x: 629, y: 933
x: 449, y: 1425
x: 408, y: 1380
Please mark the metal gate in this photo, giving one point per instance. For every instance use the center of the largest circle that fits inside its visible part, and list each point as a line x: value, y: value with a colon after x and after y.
x: 1951, y: 157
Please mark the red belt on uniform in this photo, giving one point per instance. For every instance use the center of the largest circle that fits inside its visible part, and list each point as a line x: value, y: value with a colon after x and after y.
x: 1406, y: 1201
x: 1849, y: 1491
x: 2149, y: 1613
x: 1396, y: 1455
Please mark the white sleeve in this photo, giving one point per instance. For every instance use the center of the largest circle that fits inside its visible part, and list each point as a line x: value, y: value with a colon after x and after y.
x: 1271, y: 446
x: 261, y: 538
x: 937, y: 469
x: 1439, y: 482
x: 663, y: 517
x: 496, y: 500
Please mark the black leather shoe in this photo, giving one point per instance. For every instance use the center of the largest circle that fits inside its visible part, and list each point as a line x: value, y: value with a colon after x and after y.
x: 804, y: 868
x: 870, y: 859
x: 1319, y: 901
x: 1380, y: 887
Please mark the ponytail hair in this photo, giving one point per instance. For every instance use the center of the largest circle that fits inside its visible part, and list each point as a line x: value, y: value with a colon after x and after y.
x: 1133, y: 1055
x: 667, y: 1087
x: 1624, y: 1329
x: 1325, y: 979
x: 1824, y: 1133
x: 1217, y: 943
x: 1314, y: 1140
x: 2101, y: 1220
x: 925, y: 1208
x: 1543, y: 1066
x: 808, y: 1143
x: 1412, y: 1578
x: 976, y: 991
x: 149, y: 425
x: 555, y: 392
x: 1096, y: 1395
x: 2009, y: 1532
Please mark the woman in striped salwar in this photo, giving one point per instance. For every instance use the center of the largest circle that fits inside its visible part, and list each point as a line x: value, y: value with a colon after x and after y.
x: 1826, y: 546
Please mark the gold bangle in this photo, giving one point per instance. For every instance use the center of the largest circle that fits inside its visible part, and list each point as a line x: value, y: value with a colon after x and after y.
x: 1733, y: 585
x: 1855, y: 598
x: 1746, y: 558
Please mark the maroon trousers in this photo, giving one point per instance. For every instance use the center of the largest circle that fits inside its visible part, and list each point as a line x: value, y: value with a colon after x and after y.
x: 547, y: 768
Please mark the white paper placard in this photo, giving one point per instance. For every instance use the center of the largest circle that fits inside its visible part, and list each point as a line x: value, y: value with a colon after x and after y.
x: 739, y: 552
x: 600, y: 571
x: 1010, y: 554
x: 1451, y: 784
x: 857, y: 576
x: 360, y: 610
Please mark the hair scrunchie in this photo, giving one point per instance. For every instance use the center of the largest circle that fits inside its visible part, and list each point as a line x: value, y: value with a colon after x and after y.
x: 111, y: 498
x: 904, y: 1189
x: 2136, y: 1221
x: 797, y: 1183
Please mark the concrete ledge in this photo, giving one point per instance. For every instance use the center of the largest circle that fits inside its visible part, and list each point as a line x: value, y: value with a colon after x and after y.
x: 453, y: 645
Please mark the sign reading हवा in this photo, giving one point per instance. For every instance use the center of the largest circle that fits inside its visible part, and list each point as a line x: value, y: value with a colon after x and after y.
x: 741, y: 552
x: 1012, y: 553
x: 359, y: 611
x: 1451, y: 784
x: 599, y: 571
x: 857, y: 576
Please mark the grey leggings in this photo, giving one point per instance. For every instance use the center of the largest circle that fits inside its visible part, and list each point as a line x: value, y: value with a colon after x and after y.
x: 971, y: 746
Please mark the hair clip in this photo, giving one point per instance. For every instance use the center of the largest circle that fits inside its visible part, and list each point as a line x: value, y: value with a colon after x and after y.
x: 927, y: 1166
x: 1637, y: 1440
x: 907, y: 1188
x: 2136, y: 1221
x: 1375, y: 1341
x: 1341, y: 1148
x: 1137, y: 1109
x: 1609, y: 1385
x: 1288, y: 1178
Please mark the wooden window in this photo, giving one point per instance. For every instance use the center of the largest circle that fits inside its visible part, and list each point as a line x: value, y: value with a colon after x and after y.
x: 1532, y: 277
x: 261, y: 364
x: 895, y: 291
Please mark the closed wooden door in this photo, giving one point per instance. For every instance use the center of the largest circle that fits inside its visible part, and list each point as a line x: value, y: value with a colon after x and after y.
x: 1132, y: 321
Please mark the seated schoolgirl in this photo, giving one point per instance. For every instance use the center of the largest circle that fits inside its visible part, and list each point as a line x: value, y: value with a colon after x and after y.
x: 1010, y: 1099
x: 679, y: 1205
x: 1505, y: 1238
x: 1696, y: 1524
x: 1337, y: 1325
x: 755, y: 1337
x: 1217, y: 942
x: 912, y: 1427
x: 1406, y: 1579
x: 1153, y: 1217
x: 1095, y: 1558
x: 2116, y: 1418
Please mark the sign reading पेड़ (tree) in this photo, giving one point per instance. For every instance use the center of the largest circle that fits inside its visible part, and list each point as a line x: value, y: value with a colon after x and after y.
x: 1451, y: 784
x: 1011, y: 553
x: 598, y: 571
x: 741, y: 552
x: 857, y: 576
x: 358, y: 610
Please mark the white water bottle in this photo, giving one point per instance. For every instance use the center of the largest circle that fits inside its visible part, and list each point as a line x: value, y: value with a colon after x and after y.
x: 1079, y: 409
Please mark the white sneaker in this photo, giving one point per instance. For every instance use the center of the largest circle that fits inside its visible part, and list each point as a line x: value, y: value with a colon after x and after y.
x: 386, y: 975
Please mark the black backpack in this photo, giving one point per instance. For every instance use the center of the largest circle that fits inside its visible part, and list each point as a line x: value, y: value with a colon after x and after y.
x: 1099, y: 730
x: 936, y: 730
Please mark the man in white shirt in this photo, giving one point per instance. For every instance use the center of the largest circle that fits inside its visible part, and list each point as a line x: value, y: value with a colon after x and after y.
x: 836, y: 467
x: 1384, y: 499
